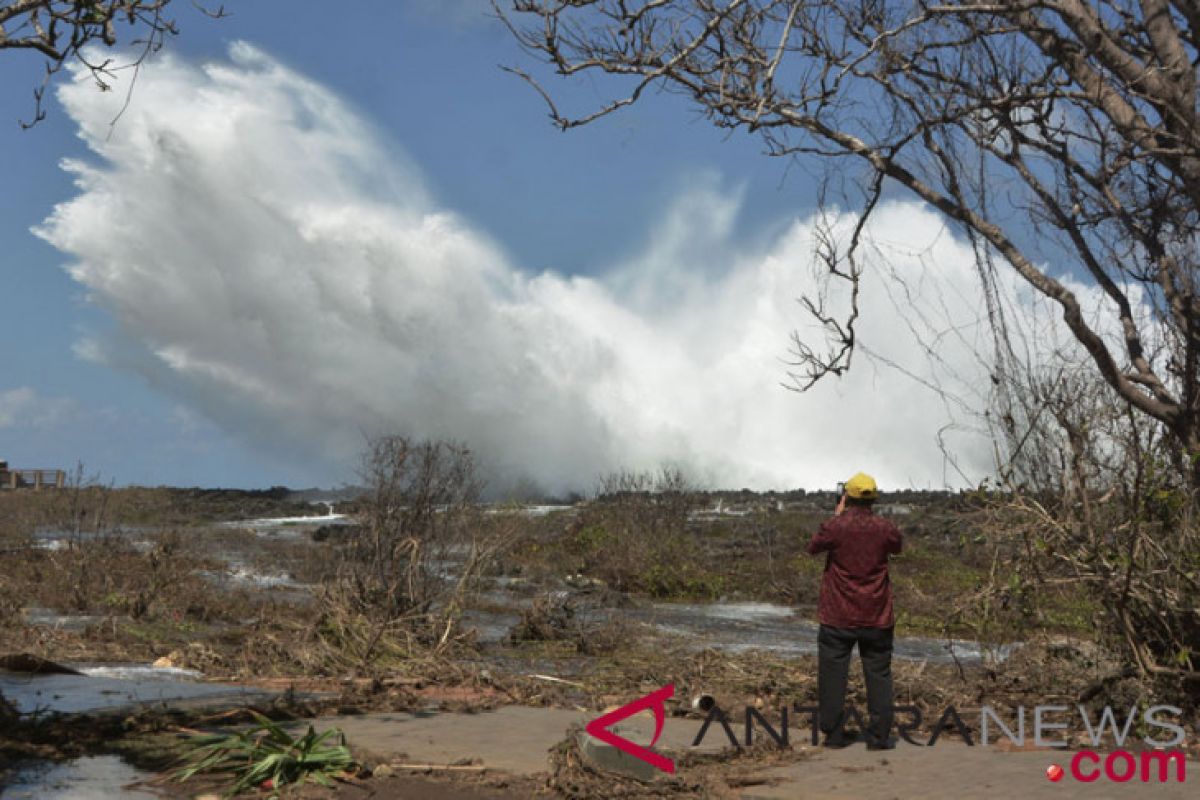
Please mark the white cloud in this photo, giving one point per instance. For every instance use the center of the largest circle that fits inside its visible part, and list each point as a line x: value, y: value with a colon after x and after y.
x: 270, y: 263
x: 15, y: 404
x: 24, y: 407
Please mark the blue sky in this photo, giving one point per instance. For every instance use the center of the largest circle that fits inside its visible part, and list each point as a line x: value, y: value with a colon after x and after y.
x: 424, y: 75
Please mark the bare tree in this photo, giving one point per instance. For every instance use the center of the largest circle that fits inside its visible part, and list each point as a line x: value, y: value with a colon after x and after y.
x: 633, y: 535
x: 62, y: 31
x: 1091, y: 505
x: 1053, y: 131
x: 423, y: 544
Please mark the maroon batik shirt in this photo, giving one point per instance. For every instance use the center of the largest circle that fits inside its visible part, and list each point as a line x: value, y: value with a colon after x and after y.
x: 855, y: 590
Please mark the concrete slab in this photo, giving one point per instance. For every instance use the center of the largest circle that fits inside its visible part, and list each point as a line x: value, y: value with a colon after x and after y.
x: 608, y: 758
x: 517, y: 740
x: 514, y: 739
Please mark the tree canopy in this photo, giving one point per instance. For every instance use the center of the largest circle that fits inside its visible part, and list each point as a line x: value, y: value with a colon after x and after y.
x: 1081, y: 116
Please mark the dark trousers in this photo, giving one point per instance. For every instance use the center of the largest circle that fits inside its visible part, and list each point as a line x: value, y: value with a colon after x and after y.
x: 834, y: 646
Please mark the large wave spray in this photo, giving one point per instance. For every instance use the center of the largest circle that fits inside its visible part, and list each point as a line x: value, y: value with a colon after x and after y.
x: 271, y: 262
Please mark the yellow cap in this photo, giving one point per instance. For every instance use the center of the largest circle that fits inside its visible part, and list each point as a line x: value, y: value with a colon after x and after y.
x: 862, y: 487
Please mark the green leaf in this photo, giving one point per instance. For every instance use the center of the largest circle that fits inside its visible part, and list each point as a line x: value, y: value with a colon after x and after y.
x: 268, y: 752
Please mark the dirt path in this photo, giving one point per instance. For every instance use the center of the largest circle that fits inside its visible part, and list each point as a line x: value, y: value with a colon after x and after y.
x: 516, y: 740
x: 513, y: 739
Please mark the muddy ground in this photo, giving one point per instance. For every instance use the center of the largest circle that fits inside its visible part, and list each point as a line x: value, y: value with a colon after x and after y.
x: 586, y: 607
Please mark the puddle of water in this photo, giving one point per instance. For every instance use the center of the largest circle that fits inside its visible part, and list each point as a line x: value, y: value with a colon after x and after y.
x: 290, y: 528
x: 740, y: 627
x: 490, y: 627
x: 239, y: 572
x: 108, y: 686
x: 282, y: 587
x: 512, y: 583
x: 57, y: 544
x: 92, y: 778
x: 732, y: 627
x: 49, y: 618
x: 260, y: 579
x: 141, y: 672
x: 736, y: 612
x: 277, y: 522
x: 542, y: 511
x: 57, y: 538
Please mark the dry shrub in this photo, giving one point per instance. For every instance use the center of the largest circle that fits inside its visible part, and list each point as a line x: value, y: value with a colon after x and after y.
x: 403, y: 581
x: 634, y: 536
x: 550, y: 618
x: 581, y: 620
x: 155, y: 576
x: 86, y: 504
x: 114, y: 575
x: 606, y: 638
x: 1097, y: 500
x: 96, y: 566
x: 8, y: 711
x: 10, y: 604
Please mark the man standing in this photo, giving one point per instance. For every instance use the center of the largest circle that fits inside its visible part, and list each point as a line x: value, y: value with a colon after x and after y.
x: 856, y: 608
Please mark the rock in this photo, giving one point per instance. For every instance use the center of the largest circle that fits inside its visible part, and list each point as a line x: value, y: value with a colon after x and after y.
x: 383, y: 771
x: 608, y: 758
x: 7, y: 710
x: 25, y: 662
x: 336, y: 534
x: 583, y: 582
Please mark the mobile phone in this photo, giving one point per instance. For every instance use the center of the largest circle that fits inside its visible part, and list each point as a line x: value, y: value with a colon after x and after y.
x: 841, y: 488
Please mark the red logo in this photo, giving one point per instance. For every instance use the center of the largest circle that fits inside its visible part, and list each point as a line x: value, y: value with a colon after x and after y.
x: 599, y: 727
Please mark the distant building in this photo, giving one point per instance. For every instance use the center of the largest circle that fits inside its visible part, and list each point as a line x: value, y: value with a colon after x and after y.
x: 31, y: 478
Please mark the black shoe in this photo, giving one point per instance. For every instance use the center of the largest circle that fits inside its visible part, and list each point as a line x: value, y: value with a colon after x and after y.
x: 887, y: 744
x: 837, y: 741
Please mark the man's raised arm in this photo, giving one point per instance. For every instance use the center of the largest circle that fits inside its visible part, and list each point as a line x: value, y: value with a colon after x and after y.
x: 821, y: 541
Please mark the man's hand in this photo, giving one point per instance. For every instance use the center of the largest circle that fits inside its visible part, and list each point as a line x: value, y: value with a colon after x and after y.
x: 841, y: 506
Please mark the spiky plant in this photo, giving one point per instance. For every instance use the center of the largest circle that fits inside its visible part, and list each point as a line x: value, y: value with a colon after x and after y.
x: 268, y: 756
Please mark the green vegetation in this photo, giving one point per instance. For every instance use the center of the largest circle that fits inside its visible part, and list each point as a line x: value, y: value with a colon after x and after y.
x: 266, y: 756
x: 682, y: 581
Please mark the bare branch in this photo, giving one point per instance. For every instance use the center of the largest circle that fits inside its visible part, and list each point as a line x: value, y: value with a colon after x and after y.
x: 1091, y: 107
x: 61, y: 30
